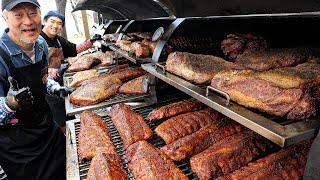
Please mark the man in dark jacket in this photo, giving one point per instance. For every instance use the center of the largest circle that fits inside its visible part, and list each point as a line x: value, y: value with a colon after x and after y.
x: 59, y: 49
x: 31, y: 144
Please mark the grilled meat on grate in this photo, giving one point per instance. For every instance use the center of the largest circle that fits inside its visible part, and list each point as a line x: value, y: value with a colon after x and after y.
x: 93, y: 136
x: 236, y: 44
x: 106, y: 166
x: 149, y: 163
x: 197, y: 68
x: 200, y: 140
x: 95, y: 90
x: 139, y: 85
x: 130, y: 125
x: 174, y: 109
x: 82, y: 76
x: 288, y: 163
x: 229, y: 154
x: 290, y: 91
x: 188, y: 123
x: 272, y: 58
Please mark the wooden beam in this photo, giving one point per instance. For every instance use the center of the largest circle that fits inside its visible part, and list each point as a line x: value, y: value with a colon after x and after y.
x: 85, y: 24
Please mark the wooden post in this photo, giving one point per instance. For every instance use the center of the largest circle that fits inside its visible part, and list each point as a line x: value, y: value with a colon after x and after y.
x: 85, y: 24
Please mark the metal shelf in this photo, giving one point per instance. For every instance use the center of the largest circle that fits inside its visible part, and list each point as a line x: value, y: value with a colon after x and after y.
x: 128, y: 56
x: 283, y: 135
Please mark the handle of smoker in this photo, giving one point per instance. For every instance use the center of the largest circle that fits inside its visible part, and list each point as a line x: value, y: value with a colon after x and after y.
x: 160, y: 66
x: 226, y: 95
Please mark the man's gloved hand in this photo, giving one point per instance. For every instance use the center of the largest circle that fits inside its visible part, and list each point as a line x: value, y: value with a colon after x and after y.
x: 62, y: 69
x: 95, y: 37
x: 63, y: 91
x: 18, y: 98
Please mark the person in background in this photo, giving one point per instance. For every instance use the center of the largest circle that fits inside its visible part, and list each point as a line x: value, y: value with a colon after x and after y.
x: 59, y: 49
x: 31, y: 144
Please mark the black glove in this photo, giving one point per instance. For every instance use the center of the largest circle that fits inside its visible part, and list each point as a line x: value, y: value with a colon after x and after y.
x: 62, y: 69
x: 18, y: 98
x: 95, y: 37
x: 63, y: 91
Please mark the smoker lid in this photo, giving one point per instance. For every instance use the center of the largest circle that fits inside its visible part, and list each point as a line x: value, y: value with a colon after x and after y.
x: 194, y: 8
x: 124, y: 9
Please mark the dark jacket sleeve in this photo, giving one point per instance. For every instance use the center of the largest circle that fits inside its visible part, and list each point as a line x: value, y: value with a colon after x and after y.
x: 69, y: 49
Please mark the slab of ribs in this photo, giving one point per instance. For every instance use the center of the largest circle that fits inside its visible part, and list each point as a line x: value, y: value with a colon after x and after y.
x: 196, y: 68
x: 188, y: 123
x: 130, y: 125
x: 288, y: 163
x: 95, y: 90
x: 173, y: 109
x: 292, y: 91
x: 229, y: 154
x: 200, y: 140
x: 139, y: 85
x: 149, y: 163
x: 106, y: 166
x: 93, y: 136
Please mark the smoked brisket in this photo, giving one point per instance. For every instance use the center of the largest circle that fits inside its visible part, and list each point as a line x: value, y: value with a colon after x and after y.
x: 197, y: 68
x: 139, y: 85
x: 236, y: 44
x: 290, y: 91
x: 272, y: 58
x: 95, y: 90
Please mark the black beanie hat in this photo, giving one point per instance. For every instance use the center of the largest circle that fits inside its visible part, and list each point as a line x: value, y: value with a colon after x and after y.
x: 55, y: 14
x: 9, y: 4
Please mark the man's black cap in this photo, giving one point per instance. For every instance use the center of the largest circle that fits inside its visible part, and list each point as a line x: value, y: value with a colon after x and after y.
x: 9, y: 4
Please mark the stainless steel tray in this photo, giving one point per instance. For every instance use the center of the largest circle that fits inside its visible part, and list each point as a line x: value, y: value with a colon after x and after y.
x: 128, y: 56
x: 283, y: 134
x: 78, y: 170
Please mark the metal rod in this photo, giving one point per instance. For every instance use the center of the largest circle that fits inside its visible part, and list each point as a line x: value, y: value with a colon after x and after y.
x: 226, y: 95
x: 161, y: 66
x: 165, y: 37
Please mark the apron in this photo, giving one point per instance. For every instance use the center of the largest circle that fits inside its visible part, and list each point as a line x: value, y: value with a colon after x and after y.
x: 312, y: 170
x: 56, y: 56
x: 56, y: 103
x: 35, y: 147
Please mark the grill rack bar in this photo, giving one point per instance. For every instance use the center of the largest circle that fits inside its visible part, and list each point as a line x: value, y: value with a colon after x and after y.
x: 283, y: 135
x: 82, y: 168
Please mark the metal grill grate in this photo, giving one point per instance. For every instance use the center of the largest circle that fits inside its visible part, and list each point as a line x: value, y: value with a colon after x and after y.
x: 155, y: 140
x: 72, y: 109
